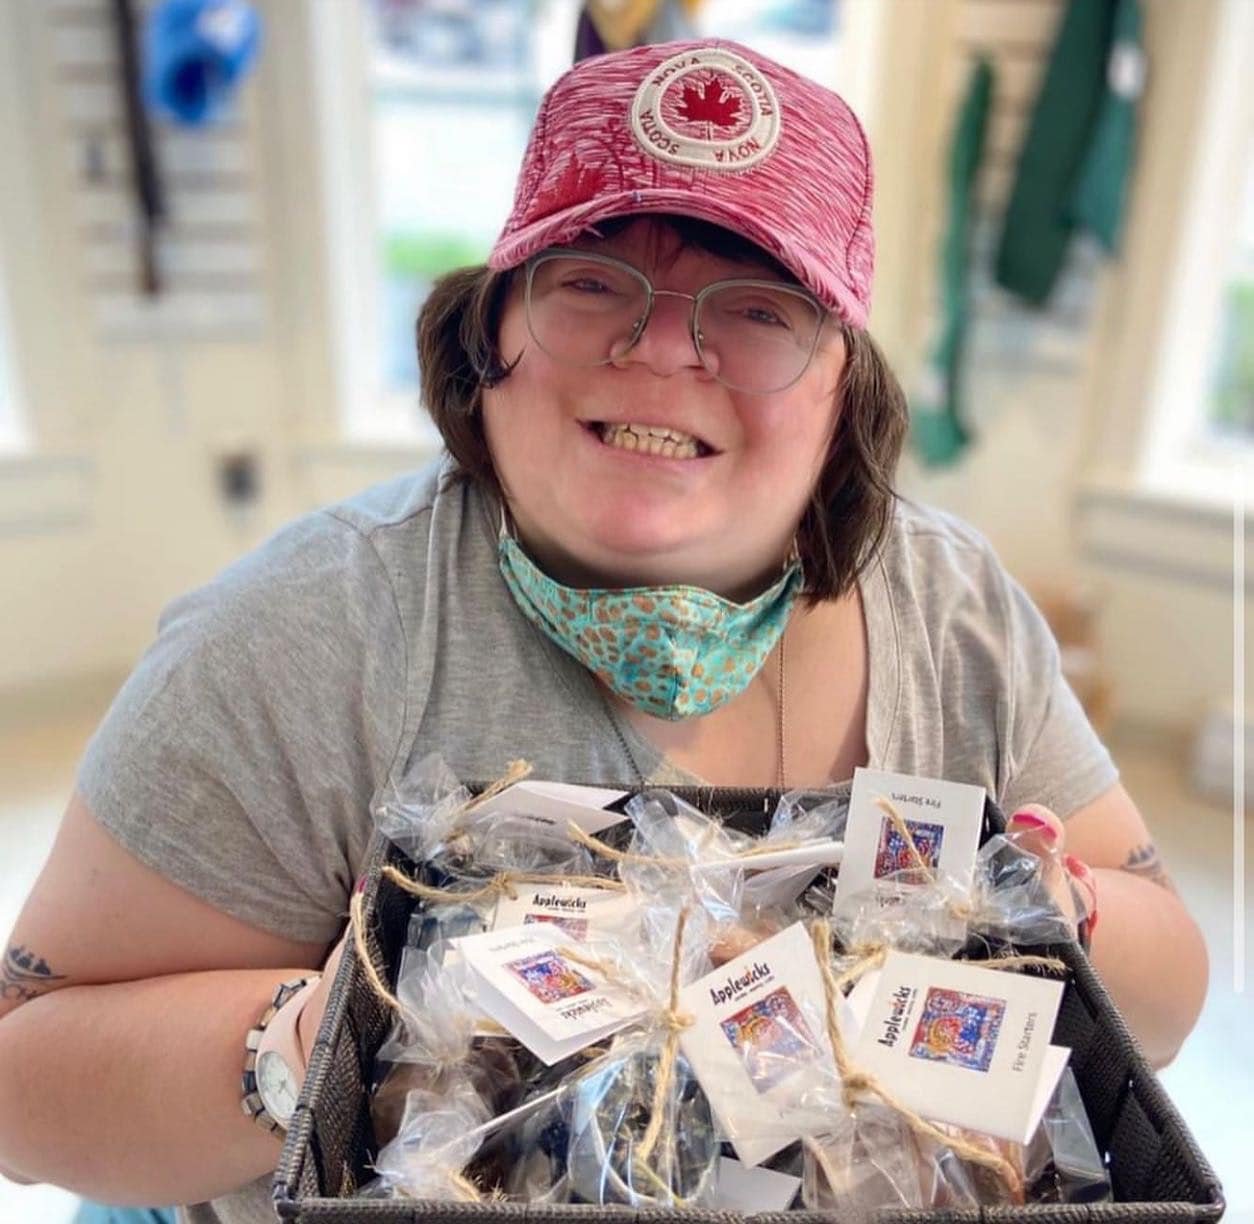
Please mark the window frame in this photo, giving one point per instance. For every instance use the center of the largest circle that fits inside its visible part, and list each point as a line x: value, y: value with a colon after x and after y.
x: 1177, y: 455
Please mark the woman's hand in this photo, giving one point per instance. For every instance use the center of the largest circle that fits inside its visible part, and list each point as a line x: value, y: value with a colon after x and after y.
x: 1148, y: 951
x: 1071, y: 882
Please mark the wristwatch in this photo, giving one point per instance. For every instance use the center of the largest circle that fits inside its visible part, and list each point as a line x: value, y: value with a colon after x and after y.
x: 274, y: 1065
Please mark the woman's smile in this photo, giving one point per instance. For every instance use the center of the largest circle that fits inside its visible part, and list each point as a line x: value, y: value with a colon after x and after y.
x: 639, y: 441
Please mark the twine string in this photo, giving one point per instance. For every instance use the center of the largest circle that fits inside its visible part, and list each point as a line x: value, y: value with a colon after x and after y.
x: 903, y: 830
x: 673, y: 1021
x: 502, y: 884
x: 515, y: 771
x: 958, y: 908
x: 356, y: 920
x: 857, y: 1083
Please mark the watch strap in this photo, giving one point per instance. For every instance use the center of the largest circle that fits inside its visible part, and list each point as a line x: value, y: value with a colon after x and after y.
x: 276, y: 1031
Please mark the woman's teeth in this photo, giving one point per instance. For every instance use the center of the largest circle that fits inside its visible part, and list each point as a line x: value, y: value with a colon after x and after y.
x: 651, y: 440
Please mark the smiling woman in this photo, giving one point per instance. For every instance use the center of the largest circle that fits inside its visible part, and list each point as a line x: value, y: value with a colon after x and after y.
x: 807, y: 364
x: 663, y: 548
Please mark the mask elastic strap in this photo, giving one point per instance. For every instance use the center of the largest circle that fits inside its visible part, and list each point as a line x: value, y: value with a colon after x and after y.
x: 506, y: 532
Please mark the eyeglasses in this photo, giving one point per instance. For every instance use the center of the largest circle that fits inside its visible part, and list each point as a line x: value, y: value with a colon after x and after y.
x: 585, y: 309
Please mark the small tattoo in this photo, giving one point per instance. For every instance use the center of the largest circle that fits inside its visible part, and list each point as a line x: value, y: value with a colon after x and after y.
x: 25, y: 975
x: 1144, y: 861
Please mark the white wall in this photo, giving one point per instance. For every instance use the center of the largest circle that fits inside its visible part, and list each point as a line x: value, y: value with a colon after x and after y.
x: 120, y: 509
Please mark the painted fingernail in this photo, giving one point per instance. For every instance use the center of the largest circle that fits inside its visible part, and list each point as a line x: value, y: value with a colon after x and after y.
x: 1029, y: 820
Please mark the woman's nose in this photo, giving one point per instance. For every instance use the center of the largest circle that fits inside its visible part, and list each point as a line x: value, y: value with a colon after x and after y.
x: 666, y: 345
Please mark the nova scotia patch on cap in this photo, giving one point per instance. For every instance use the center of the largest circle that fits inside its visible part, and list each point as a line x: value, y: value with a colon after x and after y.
x: 708, y: 108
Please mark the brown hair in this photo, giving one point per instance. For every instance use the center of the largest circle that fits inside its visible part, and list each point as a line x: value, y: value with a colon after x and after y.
x: 851, y: 505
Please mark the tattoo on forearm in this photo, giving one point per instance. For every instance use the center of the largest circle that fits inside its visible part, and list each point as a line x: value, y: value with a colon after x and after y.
x: 25, y: 976
x: 1144, y: 861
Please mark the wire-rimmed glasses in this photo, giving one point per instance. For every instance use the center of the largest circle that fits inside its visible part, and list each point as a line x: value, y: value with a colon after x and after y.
x: 587, y: 309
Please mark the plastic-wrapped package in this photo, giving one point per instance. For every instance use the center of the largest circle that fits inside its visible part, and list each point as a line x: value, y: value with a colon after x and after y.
x: 613, y: 1105
x: 1063, y: 1163
x: 898, y: 912
x: 585, y: 1146
x: 807, y: 815
x: 633, y: 1127
x: 1012, y: 899
x: 433, y: 1050
x: 867, y: 1158
x: 421, y: 812
x: 438, y: 1135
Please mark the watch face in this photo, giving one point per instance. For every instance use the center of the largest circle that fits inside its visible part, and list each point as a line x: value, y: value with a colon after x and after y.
x: 277, y: 1086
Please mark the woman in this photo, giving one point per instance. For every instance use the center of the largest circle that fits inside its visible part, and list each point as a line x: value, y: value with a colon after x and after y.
x: 662, y: 382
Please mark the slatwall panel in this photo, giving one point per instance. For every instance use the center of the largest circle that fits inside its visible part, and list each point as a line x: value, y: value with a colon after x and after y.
x: 209, y: 248
x: 1017, y: 35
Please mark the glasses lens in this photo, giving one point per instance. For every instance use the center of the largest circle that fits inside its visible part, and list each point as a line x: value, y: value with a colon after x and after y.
x: 582, y: 311
x: 757, y: 336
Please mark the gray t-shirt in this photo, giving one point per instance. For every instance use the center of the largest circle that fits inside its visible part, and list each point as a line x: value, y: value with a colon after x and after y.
x: 243, y: 757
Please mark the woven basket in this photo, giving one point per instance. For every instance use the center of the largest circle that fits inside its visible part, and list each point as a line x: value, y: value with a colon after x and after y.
x: 1156, y: 1170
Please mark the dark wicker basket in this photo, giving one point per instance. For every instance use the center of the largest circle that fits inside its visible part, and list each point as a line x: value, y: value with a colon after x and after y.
x: 1156, y: 1170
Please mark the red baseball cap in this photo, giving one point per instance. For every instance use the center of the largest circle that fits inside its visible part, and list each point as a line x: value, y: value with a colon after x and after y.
x: 710, y: 130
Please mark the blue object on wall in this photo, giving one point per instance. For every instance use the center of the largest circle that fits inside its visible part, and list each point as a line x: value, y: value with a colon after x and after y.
x: 196, y: 53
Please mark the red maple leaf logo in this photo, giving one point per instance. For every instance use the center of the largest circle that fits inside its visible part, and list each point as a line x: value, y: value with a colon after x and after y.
x: 710, y: 103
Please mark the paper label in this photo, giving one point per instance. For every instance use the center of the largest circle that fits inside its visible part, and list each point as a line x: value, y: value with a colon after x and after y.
x: 961, y: 1044
x: 811, y: 854
x: 524, y: 980
x: 752, y: 1190
x: 757, y: 1035
x: 944, y: 820
x: 579, y: 912
x: 554, y: 805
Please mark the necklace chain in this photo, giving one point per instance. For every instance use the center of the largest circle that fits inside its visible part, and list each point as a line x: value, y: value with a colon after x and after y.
x: 779, y: 726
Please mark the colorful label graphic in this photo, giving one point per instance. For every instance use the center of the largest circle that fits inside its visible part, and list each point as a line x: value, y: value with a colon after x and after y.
x: 772, y: 1036
x: 894, y: 855
x: 957, y: 1028
x: 548, y: 977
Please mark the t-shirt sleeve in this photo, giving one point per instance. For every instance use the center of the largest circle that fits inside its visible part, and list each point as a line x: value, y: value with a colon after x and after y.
x: 1053, y: 755
x: 241, y: 756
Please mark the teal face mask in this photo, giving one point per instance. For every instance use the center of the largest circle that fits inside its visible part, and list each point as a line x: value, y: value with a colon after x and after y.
x: 672, y: 651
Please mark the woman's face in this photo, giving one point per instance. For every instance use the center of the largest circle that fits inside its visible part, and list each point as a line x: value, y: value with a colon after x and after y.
x: 595, y: 514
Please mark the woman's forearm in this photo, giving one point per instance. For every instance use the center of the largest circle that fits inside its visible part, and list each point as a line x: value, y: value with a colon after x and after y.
x: 1151, y: 956
x: 130, y: 1093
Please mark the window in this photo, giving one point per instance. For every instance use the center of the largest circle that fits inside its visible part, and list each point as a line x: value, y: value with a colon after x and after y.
x: 448, y: 90
x: 12, y: 437
x: 1232, y: 394
x: 1200, y: 436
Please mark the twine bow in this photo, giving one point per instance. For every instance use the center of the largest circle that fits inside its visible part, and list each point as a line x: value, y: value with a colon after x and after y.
x: 857, y: 1084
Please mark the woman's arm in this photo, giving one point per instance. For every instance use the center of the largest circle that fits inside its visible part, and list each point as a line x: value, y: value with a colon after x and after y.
x: 120, y: 1071
x: 1147, y: 949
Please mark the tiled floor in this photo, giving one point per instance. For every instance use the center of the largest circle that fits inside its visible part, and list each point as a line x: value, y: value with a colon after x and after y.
x: 1212, y: 1081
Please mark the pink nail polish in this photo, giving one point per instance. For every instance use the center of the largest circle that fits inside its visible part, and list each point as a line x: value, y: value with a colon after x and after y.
x: 1029, y: 820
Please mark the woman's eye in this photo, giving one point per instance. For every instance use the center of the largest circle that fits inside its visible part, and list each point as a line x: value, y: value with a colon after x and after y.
x: 587, y: 284
x: 763, y: 314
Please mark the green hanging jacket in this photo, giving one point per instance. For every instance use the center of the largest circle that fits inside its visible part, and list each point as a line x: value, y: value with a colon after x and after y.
x: 1077, y: 155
